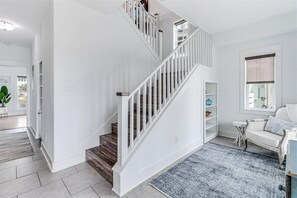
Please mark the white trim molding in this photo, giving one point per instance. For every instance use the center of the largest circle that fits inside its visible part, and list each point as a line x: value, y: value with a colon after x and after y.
x: 56, y: 166
x: 33, y: 132
x: 277, y: 49
x: 47, y: 156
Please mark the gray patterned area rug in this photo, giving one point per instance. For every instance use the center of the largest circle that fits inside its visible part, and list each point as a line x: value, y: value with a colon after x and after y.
x: 14, y: 146
x: 221, y: 171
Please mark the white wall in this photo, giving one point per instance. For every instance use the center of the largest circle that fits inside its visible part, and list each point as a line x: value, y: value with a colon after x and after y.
x: 95, y: 55
x: 14, y: 54
x: 12, y: 73
x: 178, y: 132
x: 263, y: 29
x: 47, y: 121
x: 229, y: 76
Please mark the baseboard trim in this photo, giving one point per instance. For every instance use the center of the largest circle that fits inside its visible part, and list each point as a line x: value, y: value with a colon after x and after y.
x: 66, y: 163
x: 46, y: 155
x: 62, y: 164
x: 228, y: 134
x: 155, y: 168
x: 33, y: 132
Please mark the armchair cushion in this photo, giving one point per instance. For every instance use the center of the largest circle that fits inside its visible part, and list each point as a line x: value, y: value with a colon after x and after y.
x: 264, y: 137
x: 277, y: 126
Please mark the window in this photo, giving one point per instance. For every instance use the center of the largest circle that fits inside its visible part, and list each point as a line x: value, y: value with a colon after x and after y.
x: 181, y: 32
x: 21, y: 92
x: 260, y: 82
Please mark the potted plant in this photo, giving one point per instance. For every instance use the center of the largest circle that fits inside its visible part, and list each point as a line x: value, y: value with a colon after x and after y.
x: 4, y: 99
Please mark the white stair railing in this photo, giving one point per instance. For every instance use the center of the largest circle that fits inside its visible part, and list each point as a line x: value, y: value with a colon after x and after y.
x: 146, y: 23
x: 157, y: 91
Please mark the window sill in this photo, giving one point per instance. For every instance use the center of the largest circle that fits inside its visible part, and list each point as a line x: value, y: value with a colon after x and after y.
x: 258, y: 112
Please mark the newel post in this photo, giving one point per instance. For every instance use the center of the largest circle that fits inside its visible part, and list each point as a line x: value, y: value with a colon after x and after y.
x: 123, y: 106
x: 160, y: 44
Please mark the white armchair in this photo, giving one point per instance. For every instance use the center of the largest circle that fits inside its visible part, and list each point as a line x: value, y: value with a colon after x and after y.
x: 256, y: 134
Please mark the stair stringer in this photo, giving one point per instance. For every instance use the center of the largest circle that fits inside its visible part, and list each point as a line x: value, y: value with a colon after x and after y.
x: 120, y: 177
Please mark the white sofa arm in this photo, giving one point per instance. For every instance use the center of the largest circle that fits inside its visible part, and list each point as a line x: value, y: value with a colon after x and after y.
x: 289, y: 134
x: 256, y: 125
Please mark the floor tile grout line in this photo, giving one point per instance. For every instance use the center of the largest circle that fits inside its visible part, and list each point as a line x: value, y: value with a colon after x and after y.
x: 39, y: 178
x: 29, y: 190
x: 95, y: 190
x: 66, y: 187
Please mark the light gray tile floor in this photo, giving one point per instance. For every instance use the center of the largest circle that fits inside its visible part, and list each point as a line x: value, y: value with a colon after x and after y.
x: 7, y: 174
x: 30, y: 178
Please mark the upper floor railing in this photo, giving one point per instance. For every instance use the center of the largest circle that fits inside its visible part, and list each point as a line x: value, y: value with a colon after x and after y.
x: 146, y: 23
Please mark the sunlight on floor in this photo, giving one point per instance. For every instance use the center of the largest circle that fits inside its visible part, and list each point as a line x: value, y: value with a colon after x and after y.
x: 13, y: 122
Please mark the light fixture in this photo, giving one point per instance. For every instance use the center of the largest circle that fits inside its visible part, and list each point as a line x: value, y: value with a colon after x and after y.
x: 6, y: 26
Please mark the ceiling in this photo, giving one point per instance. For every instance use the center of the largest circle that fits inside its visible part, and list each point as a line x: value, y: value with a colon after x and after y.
x: 223, y: 15
x: 26, y: 15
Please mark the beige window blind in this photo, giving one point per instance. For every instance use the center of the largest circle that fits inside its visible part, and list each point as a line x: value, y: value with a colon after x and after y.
x: 260, y: 69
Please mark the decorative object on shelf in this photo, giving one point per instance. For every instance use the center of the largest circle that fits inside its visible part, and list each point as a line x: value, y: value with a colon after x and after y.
x: 208, y: 102
x: 207, y: 113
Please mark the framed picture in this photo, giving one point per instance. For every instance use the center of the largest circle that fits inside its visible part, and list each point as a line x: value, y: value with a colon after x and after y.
x: 4, y: 80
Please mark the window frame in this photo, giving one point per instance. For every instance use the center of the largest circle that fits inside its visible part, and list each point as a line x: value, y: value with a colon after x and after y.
x: 17, y: 93
x: 277, y: 75
x: 179, y: 22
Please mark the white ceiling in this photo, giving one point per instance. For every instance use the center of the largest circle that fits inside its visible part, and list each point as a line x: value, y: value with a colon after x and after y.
x: 27, y: 15
x: 223, y: 15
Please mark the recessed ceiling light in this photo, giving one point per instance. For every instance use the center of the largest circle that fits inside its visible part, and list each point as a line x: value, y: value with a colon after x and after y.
x: 6, y: 26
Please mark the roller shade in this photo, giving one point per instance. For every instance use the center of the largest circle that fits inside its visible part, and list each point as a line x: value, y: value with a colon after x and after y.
x: 260, y: 69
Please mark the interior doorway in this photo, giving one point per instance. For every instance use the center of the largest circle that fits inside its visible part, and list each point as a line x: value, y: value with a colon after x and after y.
x: 13, y: 97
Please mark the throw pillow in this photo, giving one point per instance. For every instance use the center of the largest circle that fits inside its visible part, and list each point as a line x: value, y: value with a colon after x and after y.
x: 277, y: 126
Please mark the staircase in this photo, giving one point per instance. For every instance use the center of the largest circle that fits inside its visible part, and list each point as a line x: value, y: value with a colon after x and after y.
x: 139, y: 111
x: 103, y: 157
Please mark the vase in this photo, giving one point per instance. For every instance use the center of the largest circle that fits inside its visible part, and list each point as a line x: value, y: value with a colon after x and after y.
x: 208, y: 102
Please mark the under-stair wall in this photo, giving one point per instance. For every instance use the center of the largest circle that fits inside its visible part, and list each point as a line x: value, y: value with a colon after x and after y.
x: 91, y: 64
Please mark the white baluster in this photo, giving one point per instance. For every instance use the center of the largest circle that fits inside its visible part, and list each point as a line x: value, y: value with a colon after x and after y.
x: 176, y: 69
x: 168, y: 79
x: 144, y: 106
x: 132, y: 121
x: 197, y: 47
x: 160, y: 89
x: 138, y: 115
x: 155, y: 95
x: 189, y: 52
x: 150, y: 101
x: 179, y: 66
x: 200, y: 47
x: 172, y: 74
x: 133, y: 12
x: 160, y: 44
x: 181, y: 62
x: 123, y: 99
x: 164, y: 84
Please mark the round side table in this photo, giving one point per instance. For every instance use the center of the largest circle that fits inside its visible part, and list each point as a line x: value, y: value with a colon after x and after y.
x: 240, y: 126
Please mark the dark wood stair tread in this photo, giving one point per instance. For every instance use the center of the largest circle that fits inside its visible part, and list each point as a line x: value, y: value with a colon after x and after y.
x: 100, y: 162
